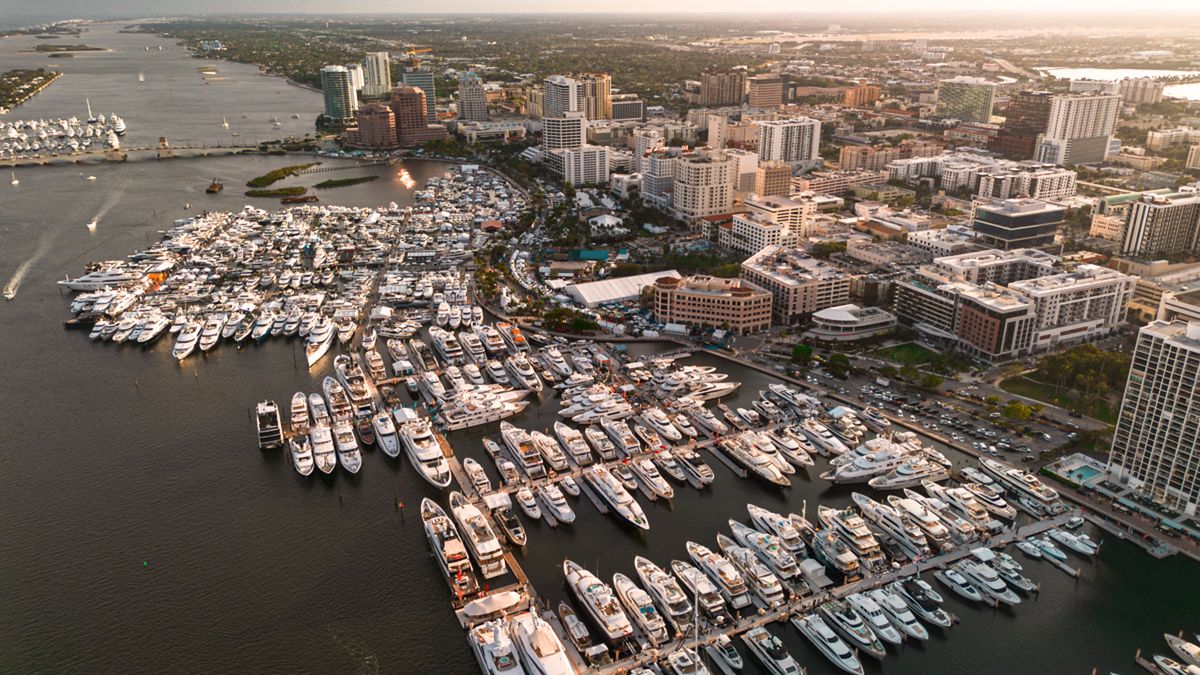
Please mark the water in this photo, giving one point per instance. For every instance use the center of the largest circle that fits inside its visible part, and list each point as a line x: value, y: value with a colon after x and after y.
x: 144, y: 532
x: 1190, y: 92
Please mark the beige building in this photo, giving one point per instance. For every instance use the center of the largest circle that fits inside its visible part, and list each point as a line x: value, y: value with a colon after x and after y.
x: 798, y: 212
x: 799, y: 283
x: 731, y: 304
x: 1193, y: 158
x: 765, y: 90
x: 704, y: 185
x: 774, y: 178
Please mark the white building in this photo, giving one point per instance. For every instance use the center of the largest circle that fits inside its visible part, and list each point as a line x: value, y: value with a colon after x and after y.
x: 1080, y: 128
x: 798, y: 212
x: 795, y: 141
x: 1076, y: 306
x: 704, y: 185
x: 951, y: 240
x: 560, y: 95
x: 799, y: 284
x: 472, y: 98
x: 846, y: 323
x: 1044, y: 182
x: 586, y: 165
x: 564, y: 132
x: 377, y: 78
x: 750, y: 234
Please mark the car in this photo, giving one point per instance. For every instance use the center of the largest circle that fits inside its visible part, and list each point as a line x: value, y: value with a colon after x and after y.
x: 1072, y: 435
x: 1046, y: 437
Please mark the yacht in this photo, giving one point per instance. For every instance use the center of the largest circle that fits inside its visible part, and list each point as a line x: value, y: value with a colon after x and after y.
x: 686, y: 661
x: 569, y: 486
x: 348, y: 453
x: 443, y: 315
x: 510, y: 525
x: 319, y: 341
x: 425, y: 453
x: 617, y: 430
x: 600, y: 443
x: 573, y: 441
x: 768, y: 547
x: 494, y: 649
x: 987, y: 581
x: 698, y: 472
x: 431, y: 387
x: 188, y: 338
x: 665, y: 591
x: 955, y: 581
x: 824, y: 441
x: 754, y: 461
x: 1028, y: 548
x: 813, y: 627
x: 727, y: 578
x: 210, y: 334
x: 449, y: 549
x: 523, y: 451
x: 910, y: 474
x: 476, y: 475
x: 554, y: 359
x: 791, y: 450
x: 542, y: 652
x: 841, y: 616
x: 908, y: 537
x: 490, y: 337
x: 597, y: 599
x: 767, y: 409
x: 522, y: 372
x: 385, y: 434
x: 1169, y: 666
x: 704, y: 418
x: 992, y: 499
x: 770, y: 652
x: 495, y: 370
x: 551, y: 453
x: 758, y: 577
x: 640, y: 606
x: 1048, y: 549
x: 298, y: 415
x: 1079, y: 543
x: 851, y: 527
x: 898, y: 613
x: 658, y: 421
x: 472, y: 348
x: 962, y: 503
x: 512, y: 336
x: 875, y: 617
x: 862, y: 468
x: 577, y: 632
x: 320, y: 438
x: 479, y: 536
x: 829, y: 549
x: 555, y: 504
x: 118, y: 275
x: 528, y: 503
x: 1030, y: 492
x: 270, y: 428
x: 1185, y: 650
x: 920, y: 599
x: 1007, y: 567
x: 473, y: 374
x: 651, y: 480
x: 446, y: 345
x: 913, y: 511
x: 302, y: 456
x: 684, y: 426
x: 707, y: 597
x: 615, y: 496
x: 781, y: 527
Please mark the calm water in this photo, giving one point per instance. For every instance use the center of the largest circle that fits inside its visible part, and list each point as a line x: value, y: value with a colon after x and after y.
x: 144, y: 532
x: 1189, y: 92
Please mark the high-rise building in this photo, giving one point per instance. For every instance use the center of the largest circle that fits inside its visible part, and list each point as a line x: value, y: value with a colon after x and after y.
x: 378, y: 76
x: 860, y: 96
x: 1079, y: 128
x: 704, y: 184
x: 628, y: 107
x: 595, y: 95
x: 1017, y: 223
x: 1141, y: 90
x: 968, y: 99
x: 376, y: 128
x: 773, y: 178
x: 565, y: 131
x: 765, y: 90
x: 472, y: 99
x: 644, y: 142
x: 560, y: 94
x: 412, y: 122
x: 357, y: 79
x: 585, y: 165
x: 796, y: 140
x: 722, y: 87
x: 718, y: 131
x: 1193, y: 157
x: 415, y: 76
x: 1156, y: 444
x: 1025, y: 120
x: 341, y: 100
x: 1160, y: 225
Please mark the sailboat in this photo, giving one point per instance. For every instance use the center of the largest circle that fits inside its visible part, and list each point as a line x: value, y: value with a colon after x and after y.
x: 91, y: 226
x: 92, y: 119
x: 225, y: 122
x: 14, y: 178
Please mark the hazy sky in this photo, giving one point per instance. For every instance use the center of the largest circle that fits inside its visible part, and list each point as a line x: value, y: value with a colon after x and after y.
x: 10, y: 9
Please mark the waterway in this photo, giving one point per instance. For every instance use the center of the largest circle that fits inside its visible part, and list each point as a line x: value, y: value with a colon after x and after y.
x: 1190, y: 92
x: 144, y: 532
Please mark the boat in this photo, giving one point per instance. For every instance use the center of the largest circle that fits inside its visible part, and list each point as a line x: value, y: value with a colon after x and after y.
x: 577, y: 632
x: 302, y: 456
x: 698, y: 472
x: 615, y: 496
x: 478, y: 477
x: 853, y: 530
x: 724, y: 654
x: 727, y: 577
x: 875, y: 617
x: 319, y: 340
x: 829, y: 549
x: 987, y: 581
x: 768, y: 547
x: 528, y: 504
x: 523, y: 451
x: 494, y: 649
x: 270, y: 429
x: 188, y: 338
x: 542, y: 652
x: 320, y: 437
x: 813, y: 627
x: 753, y: 461
x: 919, y: 598
x: 550, y: 451
x: 348, y: 453
x: 214, y: 187
x: 652, y: 482
x: 937, y: 535
x: 596, y: 597
x: 624, y: 440
x: 600, y: 443
x: 991, y: 498
x: 554, y: 504
x: 569, y: 486
x: 1048, y: 548
x: 686, y: 661
x: 781, y: 527
x: 898, y: 613
x: 522, y: 372
x: 1030, y: 492
x: 665, y: 591
x: 1028, y: 548
x: 449, y: 549
x: 822, y: 440
x: 479, y: 536
x: 1007, y: 567
x: 14, y: 178
x: 911, y: 473
x: 908, y: 537
x: 1188, y: 652
x: 707, y: 596
x: 658, y: 421
x: 385, y: 434
x: 425, y: 453
x: 574, y: 443
x: 1169, y: 666
x: 841, y: 616
x: 770, y: 652
x: 1077, y: 543
x: 640, y: 607
x: 510, y: 525
x: 961, y: 503
x: 955, y: 581
x: 759, y: 578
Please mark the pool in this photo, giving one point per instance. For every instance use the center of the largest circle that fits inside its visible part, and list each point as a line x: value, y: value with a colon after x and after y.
x: 1083, y: 474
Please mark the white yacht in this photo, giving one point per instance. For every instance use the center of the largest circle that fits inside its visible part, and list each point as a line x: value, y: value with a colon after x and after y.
x: 478, y: 477
x: 753, y: 460
x: 813, y: 627
x: 955, y: 581
x: 875, y: 617
x: 479, y: 536
x: 494, y: 649
x: 908, y: 537
x: 862, y: 468
x: 348, y: 453
x: 302, y: 456
x: 651, y: 480
x: 449, y: 549
x: 768, y: 547
x: 320, y: 438
x: 551, y: 452
x: 704, y: 417
x: 522, y: 372
x: 758, y: 577
x: 770, y: 652
x: 898, y: 613
x: 528, y: 503
x: 573, y: 441
x: 1079, y: 543
x: 841, y: 616
x: 665, y: 591
x: 615, y: 496
x: 824, y: 441
x: 910, y: 474
x: 542, y: 652
x: 425, y: 453
x: 727, y: 577
x: 922, y: 600
x: 617, y: 430
x: 706, y: 596
x: 1030, y: 492
x: 495, y: 370
x: 446, y: 345
x: 555, y: 504
x: 598, y: 600
x: 319, y: 340
x: 640, y: 606
x: 188, y: 338
x: 936, y: 533
x: 210, y: 335
x: 780, y: 526
x: 555, y: 360
x: 962, y: 503
x: 657, y: 420
x: 1185, y: 650
x: 686, y: 661
x: 992, y: 499
x: 853, y: 530
x: 523, y: 451
x: 385, y: 434
x: 490, y: 337
x: 600, y: 443
x: 987, y: 581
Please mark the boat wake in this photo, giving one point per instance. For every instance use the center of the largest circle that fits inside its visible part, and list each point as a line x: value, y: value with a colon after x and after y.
x: 368, y: 663
x: 14, y: 284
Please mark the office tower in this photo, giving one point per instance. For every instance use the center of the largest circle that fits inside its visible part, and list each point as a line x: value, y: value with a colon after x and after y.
x: 1094, y: 87
x: 356, y: 75
x: 568, y: 130
x: 1079, y: 128
x: 423, y: 80
x: 585, y: 165
x: 472, y: 99
x: 861, y: 96
x: 595, y: 95
x: 968, y: 99
x: 765, y: 90
x: 378, y: 76
x: 773, y: 178
x: 1025, y: 120
x: 718, y: 131
x: 1017, y: 223
x: 731, y: 304
x: 341, y: 100
x: 1141, y: 90
x: 376, y: 127
x: 722, y: 87
x: 795, y: 141
x: 645, y: 141
x: 559, y: 95
x: 704, y: 184
x: 1161, y: 225
x: 412, y: 122
x: 628, y: 107
x: 1156, y: 444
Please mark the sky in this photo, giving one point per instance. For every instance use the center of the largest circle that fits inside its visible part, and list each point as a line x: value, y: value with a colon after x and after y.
x: 11, y: 10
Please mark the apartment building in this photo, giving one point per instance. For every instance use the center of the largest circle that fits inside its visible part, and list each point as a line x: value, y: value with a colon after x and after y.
x: 799, y: 284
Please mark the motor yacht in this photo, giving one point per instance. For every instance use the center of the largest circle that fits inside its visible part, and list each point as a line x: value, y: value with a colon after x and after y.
x: 269, y: 425
x: 542, y: 652
x: 318, y: 341
x: 615, y: 496
x: 875, y: 617
x: 724, y: 654
x: 1188, y: 652
x: 992, y: 499
x: 759, y: 579
x: 528, y: 503
x: 665, y: 591
x: 781, y: 527
x: 813, y: 627
x: 704, y: 418
x: 913, y: 511
x: 188, y: 339
x: 476, y: 475
x: 898, y: 613
x: 658, y: 421
x: 348, y: 453
x: 769, y: 651
x: 569, y: 486
x: 1030, y: 549
x: 753, y: 461
x: 385, y: 434
x: 955, y: 581
x: 726, y: 577
x: 573, y: 441
x: 1079, y: 543
x: 523, y: 451
x: 554, y: 504
x: 841, y: 616
x: 829, y: 549
x: 822, y: 440
x: 479, y: 536
x: 554, y: 359
x: 1048, y: 549
x: 624, y: 440
x: 510, y: 525
x: 698, y: 472
x: 920, y: 599
x: 853, y: 530
x: 686, y: 661
x: 425, y: 453
x: 910, y: 474
x: 600, y: 443
x: 494, y: 649
x: 706, y: 595
x: 1030, y: 492
x: 768, y: 548
x: 577, y: 631
x: 490, y: 337
x: 320, y: 438
x: 640, y: 607
x: 302, y: 456
x: 652, y: 482
x: 522, y: 372
x: 1007, y: 567
x: 449, y: 549
x: 551, y: 452
x: 987, y: 581
x: 962, y: 503
x: 596, y: 597
x: 908, y: 537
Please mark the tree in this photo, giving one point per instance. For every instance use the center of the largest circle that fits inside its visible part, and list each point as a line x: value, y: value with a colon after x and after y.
x: 909, y: 372
x: 824, y: 249
x: 838, y: 365
x: 802, y: 354
x: 1016, y: 410
x: 931, y: 381
x: 889, y: 371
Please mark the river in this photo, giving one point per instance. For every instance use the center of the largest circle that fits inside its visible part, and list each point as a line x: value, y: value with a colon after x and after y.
x: 144, y: 532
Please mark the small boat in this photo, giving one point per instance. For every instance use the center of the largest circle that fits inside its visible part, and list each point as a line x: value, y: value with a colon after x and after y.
x: 569, y: 486
x: 1030, y: 549
x: 724, y: 653
x: 270, y: 429
x: 1049, y: 549
x: 577, y: 631
x: 686, y: 661
x: 510, y: 526
x: 956, y: 582
x: 1183, y: 649
x: 302, y: 456
x: 528, y: 504
x: 385, y: 434
x: 214, y: 187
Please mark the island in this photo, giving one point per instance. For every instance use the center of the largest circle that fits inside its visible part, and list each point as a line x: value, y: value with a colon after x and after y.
x: 344, y: 182
x: 67, y: 48
x: 18, y: 86
x: 278, y: 192
x: 272, y: 177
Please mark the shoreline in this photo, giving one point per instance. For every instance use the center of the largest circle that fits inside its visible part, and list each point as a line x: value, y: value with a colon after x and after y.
x: 17, y: 104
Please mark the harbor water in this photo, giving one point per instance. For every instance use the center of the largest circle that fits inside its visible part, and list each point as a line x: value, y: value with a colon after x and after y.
x: 145, y: 532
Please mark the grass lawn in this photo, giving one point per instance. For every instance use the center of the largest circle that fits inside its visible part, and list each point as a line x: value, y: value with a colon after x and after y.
x: 1023, y: 386
x: 907, y: 354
